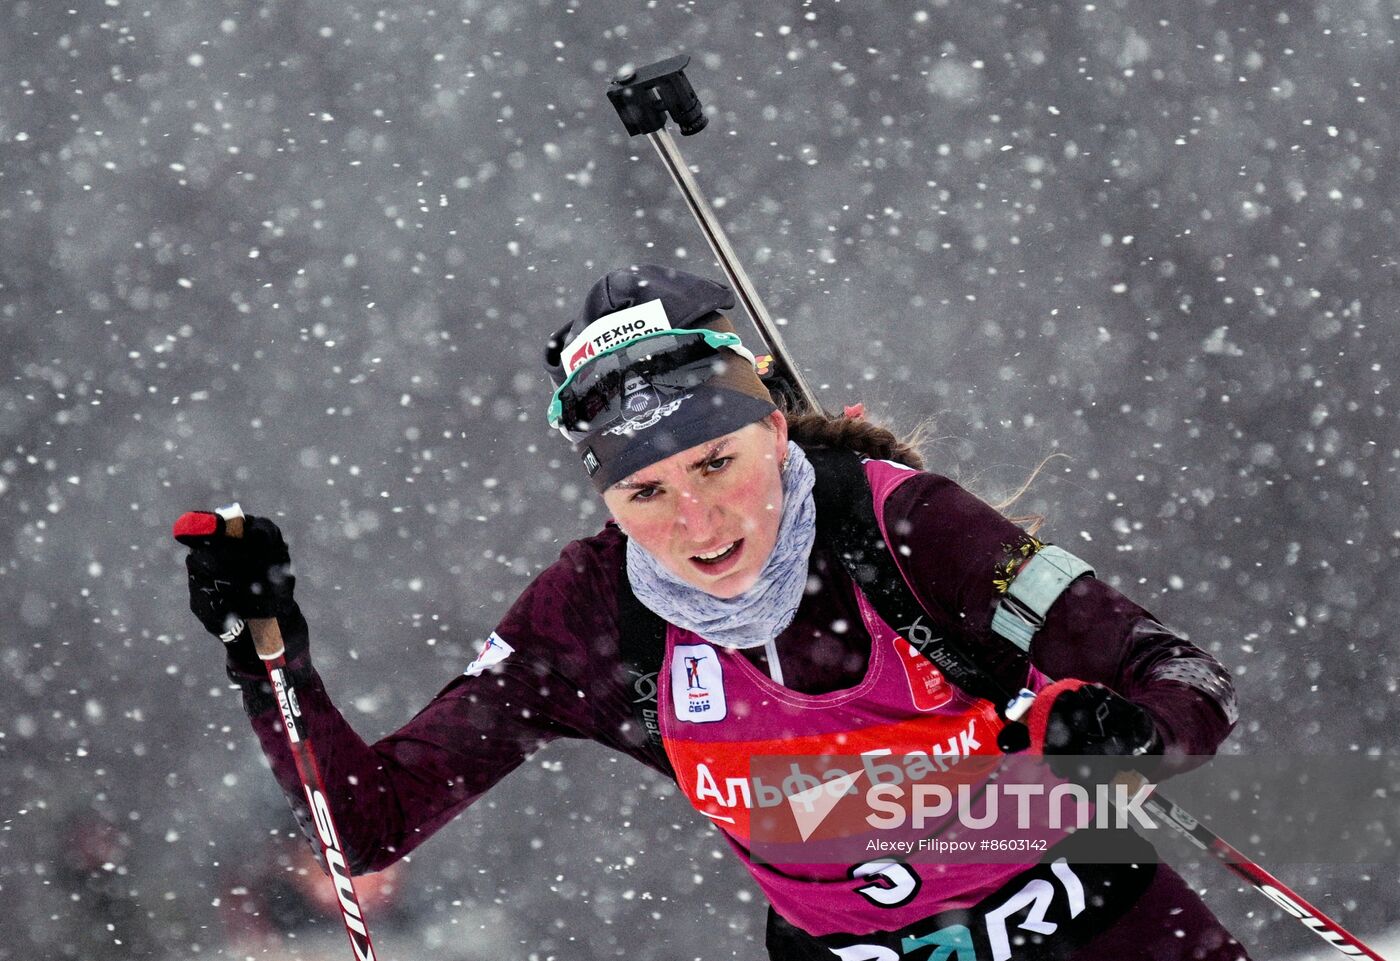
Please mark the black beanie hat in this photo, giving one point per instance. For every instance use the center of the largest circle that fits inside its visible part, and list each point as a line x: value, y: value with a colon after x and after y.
x: 716, y: 408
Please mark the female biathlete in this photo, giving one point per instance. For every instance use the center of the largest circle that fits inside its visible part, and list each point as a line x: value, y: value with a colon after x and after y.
x: 745, y: 600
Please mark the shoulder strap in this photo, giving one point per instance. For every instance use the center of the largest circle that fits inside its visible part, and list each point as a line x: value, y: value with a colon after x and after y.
x: 642, y: 647
x: 846, y: 521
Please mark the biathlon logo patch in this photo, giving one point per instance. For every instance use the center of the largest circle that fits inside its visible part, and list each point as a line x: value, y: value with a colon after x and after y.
x: 613, y: 329
x: 495, y: 651
x: 697, y: 684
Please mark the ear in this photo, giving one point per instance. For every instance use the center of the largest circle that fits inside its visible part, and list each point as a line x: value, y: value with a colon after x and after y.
x: 779, y: 425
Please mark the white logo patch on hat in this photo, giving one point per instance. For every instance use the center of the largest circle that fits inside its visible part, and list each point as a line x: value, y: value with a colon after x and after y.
x: 495, y: 651
x: 613, y: 329
x: 697, y: 684
x: 643, y: 409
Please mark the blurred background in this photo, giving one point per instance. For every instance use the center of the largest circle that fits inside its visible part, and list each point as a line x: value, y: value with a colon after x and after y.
x: 304, y: 254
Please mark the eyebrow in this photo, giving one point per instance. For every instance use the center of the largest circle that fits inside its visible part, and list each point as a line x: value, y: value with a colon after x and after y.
x: 714, y: 451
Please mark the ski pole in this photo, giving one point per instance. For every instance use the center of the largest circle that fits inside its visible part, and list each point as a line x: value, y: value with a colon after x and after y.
x: 643, y: 99
x: 1271, y: 887
x: 1204, y: 838
x: 267, y: 639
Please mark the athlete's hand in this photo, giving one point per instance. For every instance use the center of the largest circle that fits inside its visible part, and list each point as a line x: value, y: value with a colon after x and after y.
x: 235, y: 579
x: 1071, y: 720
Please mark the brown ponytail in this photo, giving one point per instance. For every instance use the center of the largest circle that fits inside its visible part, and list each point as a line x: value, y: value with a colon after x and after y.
x: 880, y: 443
x: 857, y: 434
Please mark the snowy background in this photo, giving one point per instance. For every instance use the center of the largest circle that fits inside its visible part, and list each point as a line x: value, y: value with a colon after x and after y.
x: 303, y: 254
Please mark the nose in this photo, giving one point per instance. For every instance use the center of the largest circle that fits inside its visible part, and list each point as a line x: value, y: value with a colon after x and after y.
x: 695, y: 515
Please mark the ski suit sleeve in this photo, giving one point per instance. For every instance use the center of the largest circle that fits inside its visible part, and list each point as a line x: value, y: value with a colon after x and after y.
x: 390, y: 796
x: 961, y: 548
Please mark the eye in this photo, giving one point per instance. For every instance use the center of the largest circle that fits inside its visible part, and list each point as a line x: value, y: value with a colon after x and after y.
x: 644, y: 494
x: 718, y: 464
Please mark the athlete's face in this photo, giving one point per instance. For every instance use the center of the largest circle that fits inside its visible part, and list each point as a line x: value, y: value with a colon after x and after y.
x: 709, y: 514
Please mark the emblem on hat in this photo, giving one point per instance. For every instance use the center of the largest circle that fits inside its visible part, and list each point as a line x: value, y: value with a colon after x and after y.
x: 642, y: 406
x: 639, y: 398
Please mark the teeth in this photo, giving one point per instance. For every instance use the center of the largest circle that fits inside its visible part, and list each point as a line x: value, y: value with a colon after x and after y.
x: 711, y: 556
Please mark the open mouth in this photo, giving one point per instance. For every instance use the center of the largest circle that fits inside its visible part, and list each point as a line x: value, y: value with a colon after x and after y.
x: 717, y: 557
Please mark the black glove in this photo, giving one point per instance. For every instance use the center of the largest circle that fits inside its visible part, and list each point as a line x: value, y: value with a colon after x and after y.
x: 1072, y: 720
x: 234, y: 579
